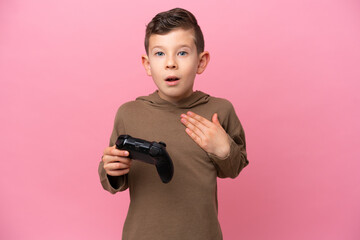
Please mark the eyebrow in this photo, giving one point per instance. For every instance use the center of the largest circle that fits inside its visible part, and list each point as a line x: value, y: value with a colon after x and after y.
x: 181, y: 46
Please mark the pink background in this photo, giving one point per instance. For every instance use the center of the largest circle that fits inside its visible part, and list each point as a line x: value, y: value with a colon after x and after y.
x: 291, y: 69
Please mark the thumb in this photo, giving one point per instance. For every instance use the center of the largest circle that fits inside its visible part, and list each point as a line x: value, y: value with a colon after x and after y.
x: 215, y: 119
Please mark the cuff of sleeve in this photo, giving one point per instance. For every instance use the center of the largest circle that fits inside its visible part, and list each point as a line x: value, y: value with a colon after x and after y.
x: 117, y: 183
x: 231, y: 165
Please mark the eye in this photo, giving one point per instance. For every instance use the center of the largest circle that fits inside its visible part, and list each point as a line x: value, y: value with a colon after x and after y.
x: 159, y: 54
x: 182, y: 53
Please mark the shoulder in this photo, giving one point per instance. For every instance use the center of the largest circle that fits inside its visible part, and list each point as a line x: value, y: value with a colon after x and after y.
x: 221, y: 102
x: 220, y: 105
x: 128, y: 110
x: 129, y: 106
x: 225, y: 110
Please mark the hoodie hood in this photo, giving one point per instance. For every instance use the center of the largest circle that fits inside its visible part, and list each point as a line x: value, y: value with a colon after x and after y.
x: 195, y: 99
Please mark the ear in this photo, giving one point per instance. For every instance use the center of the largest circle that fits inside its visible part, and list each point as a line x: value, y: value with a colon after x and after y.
x: 203, y: 62
x: 146, y: 63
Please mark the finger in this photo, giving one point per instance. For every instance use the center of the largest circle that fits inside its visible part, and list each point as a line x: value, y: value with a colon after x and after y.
x: 199, y: 118
x: 120, y: 153
x: 116, y: 166
x: 215, y: 119
x: 115, y: 152
x: 117, y: 173
x: 108, y: 150
x: 123, y: 160
x: 187, y: 120
x: 110, y: 159
x: 197, y: 128
x: 193, y: 136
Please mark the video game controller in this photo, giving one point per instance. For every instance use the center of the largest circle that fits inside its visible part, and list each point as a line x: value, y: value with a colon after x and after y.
x: 149, y: 152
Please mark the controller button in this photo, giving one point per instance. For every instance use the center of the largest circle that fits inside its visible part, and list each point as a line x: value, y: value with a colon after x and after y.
x: 154, y: 151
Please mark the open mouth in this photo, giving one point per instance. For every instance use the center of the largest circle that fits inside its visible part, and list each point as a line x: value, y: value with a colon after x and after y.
x: 172, y: 79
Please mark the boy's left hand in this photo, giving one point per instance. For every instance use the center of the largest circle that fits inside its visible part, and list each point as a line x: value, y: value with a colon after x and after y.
x: 210, y: 136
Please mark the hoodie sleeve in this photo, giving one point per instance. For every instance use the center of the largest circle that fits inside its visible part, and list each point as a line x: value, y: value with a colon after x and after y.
x: 231, y: 165
x: 110, y: 183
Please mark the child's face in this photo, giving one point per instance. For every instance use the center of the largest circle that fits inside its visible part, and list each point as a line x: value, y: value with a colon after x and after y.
x: 173, y: 63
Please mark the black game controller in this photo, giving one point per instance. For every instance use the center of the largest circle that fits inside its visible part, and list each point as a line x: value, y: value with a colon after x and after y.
x: 148, y: 152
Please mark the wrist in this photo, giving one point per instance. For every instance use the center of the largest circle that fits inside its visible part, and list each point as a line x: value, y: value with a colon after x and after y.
x: 224, y: 152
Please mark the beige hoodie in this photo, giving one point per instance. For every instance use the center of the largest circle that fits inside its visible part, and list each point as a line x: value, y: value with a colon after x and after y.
x: 185, y: 208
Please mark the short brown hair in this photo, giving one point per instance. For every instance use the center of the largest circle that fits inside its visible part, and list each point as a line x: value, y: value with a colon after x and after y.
x: 164, y: 22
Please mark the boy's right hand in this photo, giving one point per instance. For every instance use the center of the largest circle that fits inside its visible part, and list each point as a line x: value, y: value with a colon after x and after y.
x: 116, y: 162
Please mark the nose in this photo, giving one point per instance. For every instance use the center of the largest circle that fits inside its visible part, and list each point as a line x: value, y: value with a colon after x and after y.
x: 171, y: 63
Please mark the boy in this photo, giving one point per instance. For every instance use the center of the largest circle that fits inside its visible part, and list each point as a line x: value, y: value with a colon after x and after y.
x: 203, y: 135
